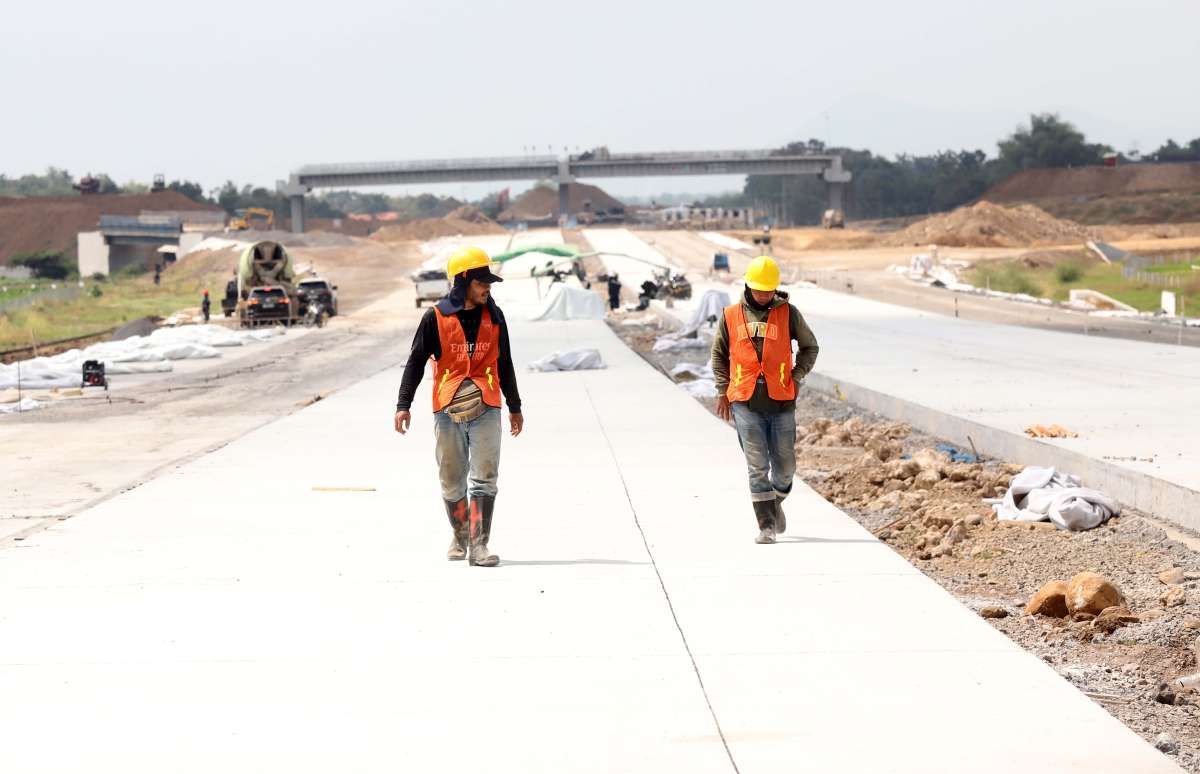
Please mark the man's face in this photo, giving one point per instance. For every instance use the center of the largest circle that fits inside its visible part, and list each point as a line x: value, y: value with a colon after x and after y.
x: 478, y: 292
x: 762, y: 296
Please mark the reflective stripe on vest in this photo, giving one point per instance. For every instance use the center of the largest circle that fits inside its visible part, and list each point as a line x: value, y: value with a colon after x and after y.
x: 744, y: 364
x: 458, y: 363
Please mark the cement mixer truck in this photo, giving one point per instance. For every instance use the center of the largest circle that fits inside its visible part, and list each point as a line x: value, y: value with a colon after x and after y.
x: 266, y: 285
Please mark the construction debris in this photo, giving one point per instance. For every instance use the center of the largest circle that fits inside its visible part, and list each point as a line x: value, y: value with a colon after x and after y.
x: 1041, y: 494
x: 1053, y: 431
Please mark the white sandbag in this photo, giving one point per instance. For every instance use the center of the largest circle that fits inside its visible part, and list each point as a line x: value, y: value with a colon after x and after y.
x: 700, y: 388
x: 563, y: 302
x: 134, y: 367
x: 571, y: 360
x: 23, y: 405
x: 676, y: 344
x: 712, y: 305
x: 1044, y: 494
x: 692, y: 370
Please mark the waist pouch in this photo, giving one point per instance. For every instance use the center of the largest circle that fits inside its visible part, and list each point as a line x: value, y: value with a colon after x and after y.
x: 466, y: 410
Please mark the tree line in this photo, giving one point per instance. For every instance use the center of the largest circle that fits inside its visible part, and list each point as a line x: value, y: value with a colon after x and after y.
x: 910, y: 185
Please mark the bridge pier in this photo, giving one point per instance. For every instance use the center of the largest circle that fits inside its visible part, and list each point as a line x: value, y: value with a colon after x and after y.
x: 295, y: 192
x: 836, y: 179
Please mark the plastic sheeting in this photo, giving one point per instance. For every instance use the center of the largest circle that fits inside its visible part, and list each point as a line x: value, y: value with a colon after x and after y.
x: 1041, y: 494
x: 570, y: 303
x: 675, y: 343
x: 134, y: 355
x: 700, y: 388
x: 571, y: 360
x: 21, y: 406
x: 712, y: 304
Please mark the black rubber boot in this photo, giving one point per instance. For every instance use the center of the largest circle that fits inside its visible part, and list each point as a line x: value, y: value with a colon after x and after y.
x: 481, y: 530
x: 457, y: 513
x: 764, y: 511
x: 780, y: 516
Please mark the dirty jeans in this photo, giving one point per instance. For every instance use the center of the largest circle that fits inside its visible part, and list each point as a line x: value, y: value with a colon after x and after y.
x: 468, y: 454
x: 769, y: 443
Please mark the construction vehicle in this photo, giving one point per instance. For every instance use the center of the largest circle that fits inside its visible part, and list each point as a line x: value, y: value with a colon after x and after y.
x: 267, y: 265
x: 160, y: 184
x: 243, y: 218
x: 833, y: 219
x: 88, y: 184
x: 431, y: 285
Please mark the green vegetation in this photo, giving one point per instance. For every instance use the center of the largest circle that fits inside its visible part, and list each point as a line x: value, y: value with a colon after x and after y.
x: 46, y: 264
x: 1067, y: 273
x: 1183, y: 267
x: 1049, y: 282
x: 121, y: 300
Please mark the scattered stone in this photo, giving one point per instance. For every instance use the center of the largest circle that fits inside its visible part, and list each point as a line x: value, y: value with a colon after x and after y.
x: 1173, y: 597
x: 1165, y: 694
x: 1166, y: 743
x: 974, y: 520
x: 1129, y: 669
x: 1082, y: 617
x: 1090, y: 592
x: 1050, y: 600
x: 1191, y: 623
x: 1113, y: 618
x: 993, y: 612
x: 926, y: 479
x: 1172, y: 577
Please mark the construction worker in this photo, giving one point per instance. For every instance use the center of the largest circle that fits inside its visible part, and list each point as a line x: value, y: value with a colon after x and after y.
x: 205, y: 306
x: 614, y: 292
x: 757, y: 378
x: 466, y: 338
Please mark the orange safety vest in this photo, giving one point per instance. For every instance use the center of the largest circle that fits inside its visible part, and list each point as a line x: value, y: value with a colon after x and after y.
x: 457, y: 363
x: 744, y: 364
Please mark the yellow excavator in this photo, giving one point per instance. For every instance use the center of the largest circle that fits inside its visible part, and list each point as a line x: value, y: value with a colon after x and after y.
x: 262, y: 219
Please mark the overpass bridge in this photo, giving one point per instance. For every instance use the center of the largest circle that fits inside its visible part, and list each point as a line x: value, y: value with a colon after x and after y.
x: 564, y: 170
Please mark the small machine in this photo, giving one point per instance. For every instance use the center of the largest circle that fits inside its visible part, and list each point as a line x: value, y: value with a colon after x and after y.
x: 93, y: 374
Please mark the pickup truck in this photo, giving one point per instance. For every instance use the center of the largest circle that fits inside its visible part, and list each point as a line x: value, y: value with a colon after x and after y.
x: 431, y: 285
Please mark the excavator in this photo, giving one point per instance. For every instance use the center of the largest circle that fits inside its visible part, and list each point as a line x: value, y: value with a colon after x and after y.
x: 243, y: 218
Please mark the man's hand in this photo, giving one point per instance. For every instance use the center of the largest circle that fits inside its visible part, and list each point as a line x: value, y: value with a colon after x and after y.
x: 723, y: 408
x: 516, y: 423
x: 403, y: 418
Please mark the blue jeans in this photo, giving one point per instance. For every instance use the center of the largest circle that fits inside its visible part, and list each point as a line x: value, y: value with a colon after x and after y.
x: 769, y: 443
x: 468, y: 454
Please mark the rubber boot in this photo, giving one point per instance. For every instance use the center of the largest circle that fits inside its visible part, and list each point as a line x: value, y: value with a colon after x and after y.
x: 764, y: 511
x: 780, y: 516
x: 456, y: 511
x: 481, y: 529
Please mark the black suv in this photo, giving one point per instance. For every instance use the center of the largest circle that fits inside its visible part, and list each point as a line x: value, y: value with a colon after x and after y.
x: 268, y: 304
x: 322, y: 291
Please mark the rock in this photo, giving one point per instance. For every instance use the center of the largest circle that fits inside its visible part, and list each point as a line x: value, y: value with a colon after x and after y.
x: 1050, y: 600
x: 932, y: 460
x: 1166, y: 743
x: 1173, y: 597
x: 960, y: 471
x: 1082, y: 617
x: 889, y: 500
x: 926, y: 479
x: 1113, y: 618
x: 939, y: 518
x: 974, y: 520
x: 901, y: 469
x: 1129, y: 669
x: 956, y: 534
x: 1090, y: 592
x: 1172, y: 577
x: 1191, y: 623
x: 993, y: 612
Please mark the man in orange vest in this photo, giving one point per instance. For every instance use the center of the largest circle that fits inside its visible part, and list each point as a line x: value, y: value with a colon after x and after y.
x: 465, y: 338
x: 757, y: 378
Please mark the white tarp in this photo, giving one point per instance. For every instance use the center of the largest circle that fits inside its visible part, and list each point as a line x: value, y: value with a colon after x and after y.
x: 21, y: 406
x: 1040, y: 494
x: 693, y: 370
x: 571, y: 360
x: 700, y: 388
x: 134, y: 355
x: 712, y: 304
x: 675, y: 343
x: 569, y: 303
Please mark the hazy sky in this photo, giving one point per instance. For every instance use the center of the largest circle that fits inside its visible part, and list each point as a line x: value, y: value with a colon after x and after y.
x: 231, y: 89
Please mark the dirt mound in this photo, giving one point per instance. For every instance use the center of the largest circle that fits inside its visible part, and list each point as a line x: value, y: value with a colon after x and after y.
x: 990, y: 225
x: 466, y: 220
x: 1032, y: 184
x: 30, y: 224
x: 540, y: 203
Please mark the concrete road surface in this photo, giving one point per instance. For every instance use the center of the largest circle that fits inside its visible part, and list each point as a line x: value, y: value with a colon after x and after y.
x: 283, y: 604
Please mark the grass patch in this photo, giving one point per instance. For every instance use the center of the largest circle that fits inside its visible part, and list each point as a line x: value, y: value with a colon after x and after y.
x: 1056, y: 282
x: 1007, y: 278
x: 121, y: 300
x: 1184, y: 267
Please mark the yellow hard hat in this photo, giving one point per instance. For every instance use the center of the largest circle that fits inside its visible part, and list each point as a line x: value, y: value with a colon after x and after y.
x: 762, y: 273
x: 466, y: 258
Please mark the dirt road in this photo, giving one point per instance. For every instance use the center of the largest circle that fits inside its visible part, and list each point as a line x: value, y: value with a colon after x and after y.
x: 61, y: 459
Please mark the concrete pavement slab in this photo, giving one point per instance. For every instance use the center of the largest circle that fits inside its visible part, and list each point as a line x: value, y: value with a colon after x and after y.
x: 283, y: 604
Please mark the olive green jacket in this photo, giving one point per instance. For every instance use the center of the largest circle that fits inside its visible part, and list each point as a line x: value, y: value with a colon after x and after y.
x: 806, y: 353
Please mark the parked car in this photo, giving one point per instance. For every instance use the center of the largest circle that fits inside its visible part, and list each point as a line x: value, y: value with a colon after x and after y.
x: 269, y: 304
x: 318, y: 288
x: 431, y: 285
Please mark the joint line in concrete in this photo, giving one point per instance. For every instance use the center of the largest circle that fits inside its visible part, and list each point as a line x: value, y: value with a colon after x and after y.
x: 662, y: 584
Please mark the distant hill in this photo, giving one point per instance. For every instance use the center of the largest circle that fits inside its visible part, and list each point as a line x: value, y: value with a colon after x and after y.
x: 31, y: 224
x: 540, y: 203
